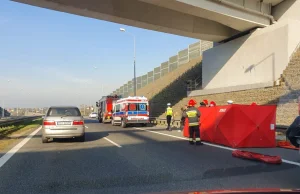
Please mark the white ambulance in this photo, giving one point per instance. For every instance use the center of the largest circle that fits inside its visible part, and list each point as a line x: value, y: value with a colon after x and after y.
x: 131, y: 111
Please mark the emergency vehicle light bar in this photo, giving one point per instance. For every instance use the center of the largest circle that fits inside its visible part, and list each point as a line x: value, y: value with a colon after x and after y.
x: 116, y: 96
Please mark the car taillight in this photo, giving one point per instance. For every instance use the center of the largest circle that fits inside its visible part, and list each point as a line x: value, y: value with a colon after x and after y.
x: 78, y: 122
x: 49, y: 123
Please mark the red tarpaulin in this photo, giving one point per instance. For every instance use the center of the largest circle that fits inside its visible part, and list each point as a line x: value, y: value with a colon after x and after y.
x: 238, y: 125
x: 257, y: 156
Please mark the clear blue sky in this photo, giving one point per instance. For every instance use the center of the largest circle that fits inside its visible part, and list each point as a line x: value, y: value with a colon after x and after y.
x: 49, y: 56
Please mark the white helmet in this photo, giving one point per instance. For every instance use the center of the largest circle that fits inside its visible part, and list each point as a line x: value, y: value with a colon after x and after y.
x: 229, y: 101
x: 169, y: 104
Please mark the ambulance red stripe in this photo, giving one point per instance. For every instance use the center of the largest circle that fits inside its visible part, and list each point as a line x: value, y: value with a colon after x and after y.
x: 127, y: 100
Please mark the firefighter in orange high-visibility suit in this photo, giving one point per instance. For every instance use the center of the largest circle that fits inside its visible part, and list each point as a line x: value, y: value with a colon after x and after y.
x: 193, y: 115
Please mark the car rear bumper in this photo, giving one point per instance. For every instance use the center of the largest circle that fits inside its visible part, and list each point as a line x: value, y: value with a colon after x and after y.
x: 107, y: 119
x: 63, y: 133
x: 64, y: 136
x: 137, y: 121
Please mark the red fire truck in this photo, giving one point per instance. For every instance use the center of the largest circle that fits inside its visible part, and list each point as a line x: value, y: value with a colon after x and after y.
x: 105, y: 106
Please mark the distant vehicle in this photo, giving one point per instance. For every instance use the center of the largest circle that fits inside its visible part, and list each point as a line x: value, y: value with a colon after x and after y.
x: 105, y: 106
x: 131, y: 110
x: 63, y: 122
x: 93, y: 115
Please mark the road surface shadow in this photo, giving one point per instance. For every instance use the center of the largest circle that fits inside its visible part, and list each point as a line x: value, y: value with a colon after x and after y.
x: 245, y: 170
x: 87, y: 121
x: 132, y: 130
x: 89, y: 137
x: 21, y: 137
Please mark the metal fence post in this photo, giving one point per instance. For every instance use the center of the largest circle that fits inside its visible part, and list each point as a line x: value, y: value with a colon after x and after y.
x: 188, y: 53
x: 200, y: 49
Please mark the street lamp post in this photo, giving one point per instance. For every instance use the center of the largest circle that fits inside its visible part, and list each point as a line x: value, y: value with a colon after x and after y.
x: 3, y: 115
x: 18, y: 104
x: 134, y: 72
x: 2, y: 108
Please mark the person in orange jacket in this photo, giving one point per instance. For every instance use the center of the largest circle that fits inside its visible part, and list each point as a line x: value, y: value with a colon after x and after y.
x: 193, y: 115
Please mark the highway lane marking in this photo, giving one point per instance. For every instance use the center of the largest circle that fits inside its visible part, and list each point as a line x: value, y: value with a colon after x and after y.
x: 15, y: 149
x: 184, y: 138
x: 291, y: 162
x: 112, y: 142
x: 212, y: 145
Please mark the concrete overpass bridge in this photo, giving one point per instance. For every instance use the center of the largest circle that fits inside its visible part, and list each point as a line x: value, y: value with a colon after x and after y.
x: 257, y: 38
x: 212, y: 20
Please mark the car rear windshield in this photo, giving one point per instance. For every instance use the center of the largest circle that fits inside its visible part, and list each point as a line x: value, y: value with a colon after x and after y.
x: 63, y: 112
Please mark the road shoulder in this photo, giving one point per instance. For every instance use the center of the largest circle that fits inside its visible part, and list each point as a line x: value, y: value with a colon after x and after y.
x: 8, y: 142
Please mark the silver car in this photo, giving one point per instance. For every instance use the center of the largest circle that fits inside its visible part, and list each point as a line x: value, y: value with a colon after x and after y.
x: 63, y: 122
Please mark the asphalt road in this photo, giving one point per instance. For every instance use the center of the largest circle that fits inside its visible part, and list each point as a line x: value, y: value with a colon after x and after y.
x: 130, y: 160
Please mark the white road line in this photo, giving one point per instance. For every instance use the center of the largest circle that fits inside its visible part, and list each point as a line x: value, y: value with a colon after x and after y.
x: 213, y: 145
x: 86, y: 127
x: 184, y: 138
x: 11, y: 152
x: 162, y: 133
x: 290, y: 162
x: 112, y: 142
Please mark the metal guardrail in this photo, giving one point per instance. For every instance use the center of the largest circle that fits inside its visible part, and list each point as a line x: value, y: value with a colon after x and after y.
x: 162, y: 121
x: 5, y: 123
x: 282, y: 126
x: 193, y: 84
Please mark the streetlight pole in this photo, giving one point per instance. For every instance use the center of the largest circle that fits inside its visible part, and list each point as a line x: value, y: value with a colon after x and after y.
x: 2, y: 108
x: 18, y: 104
x: 3, y: 115
x: 134, y: 71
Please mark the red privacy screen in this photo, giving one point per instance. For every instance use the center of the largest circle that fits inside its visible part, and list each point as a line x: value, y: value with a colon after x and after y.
x: 238, y: 125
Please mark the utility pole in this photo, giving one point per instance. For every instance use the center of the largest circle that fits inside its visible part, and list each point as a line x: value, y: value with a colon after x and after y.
x: 2, y: 108
x: 134, y: 70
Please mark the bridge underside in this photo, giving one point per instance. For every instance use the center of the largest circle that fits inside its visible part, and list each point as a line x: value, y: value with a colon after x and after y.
x: 180, y: 17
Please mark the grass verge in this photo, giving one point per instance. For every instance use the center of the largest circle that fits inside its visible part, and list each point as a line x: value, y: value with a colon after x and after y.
x: 13, y: 132
x: 19, y: 127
